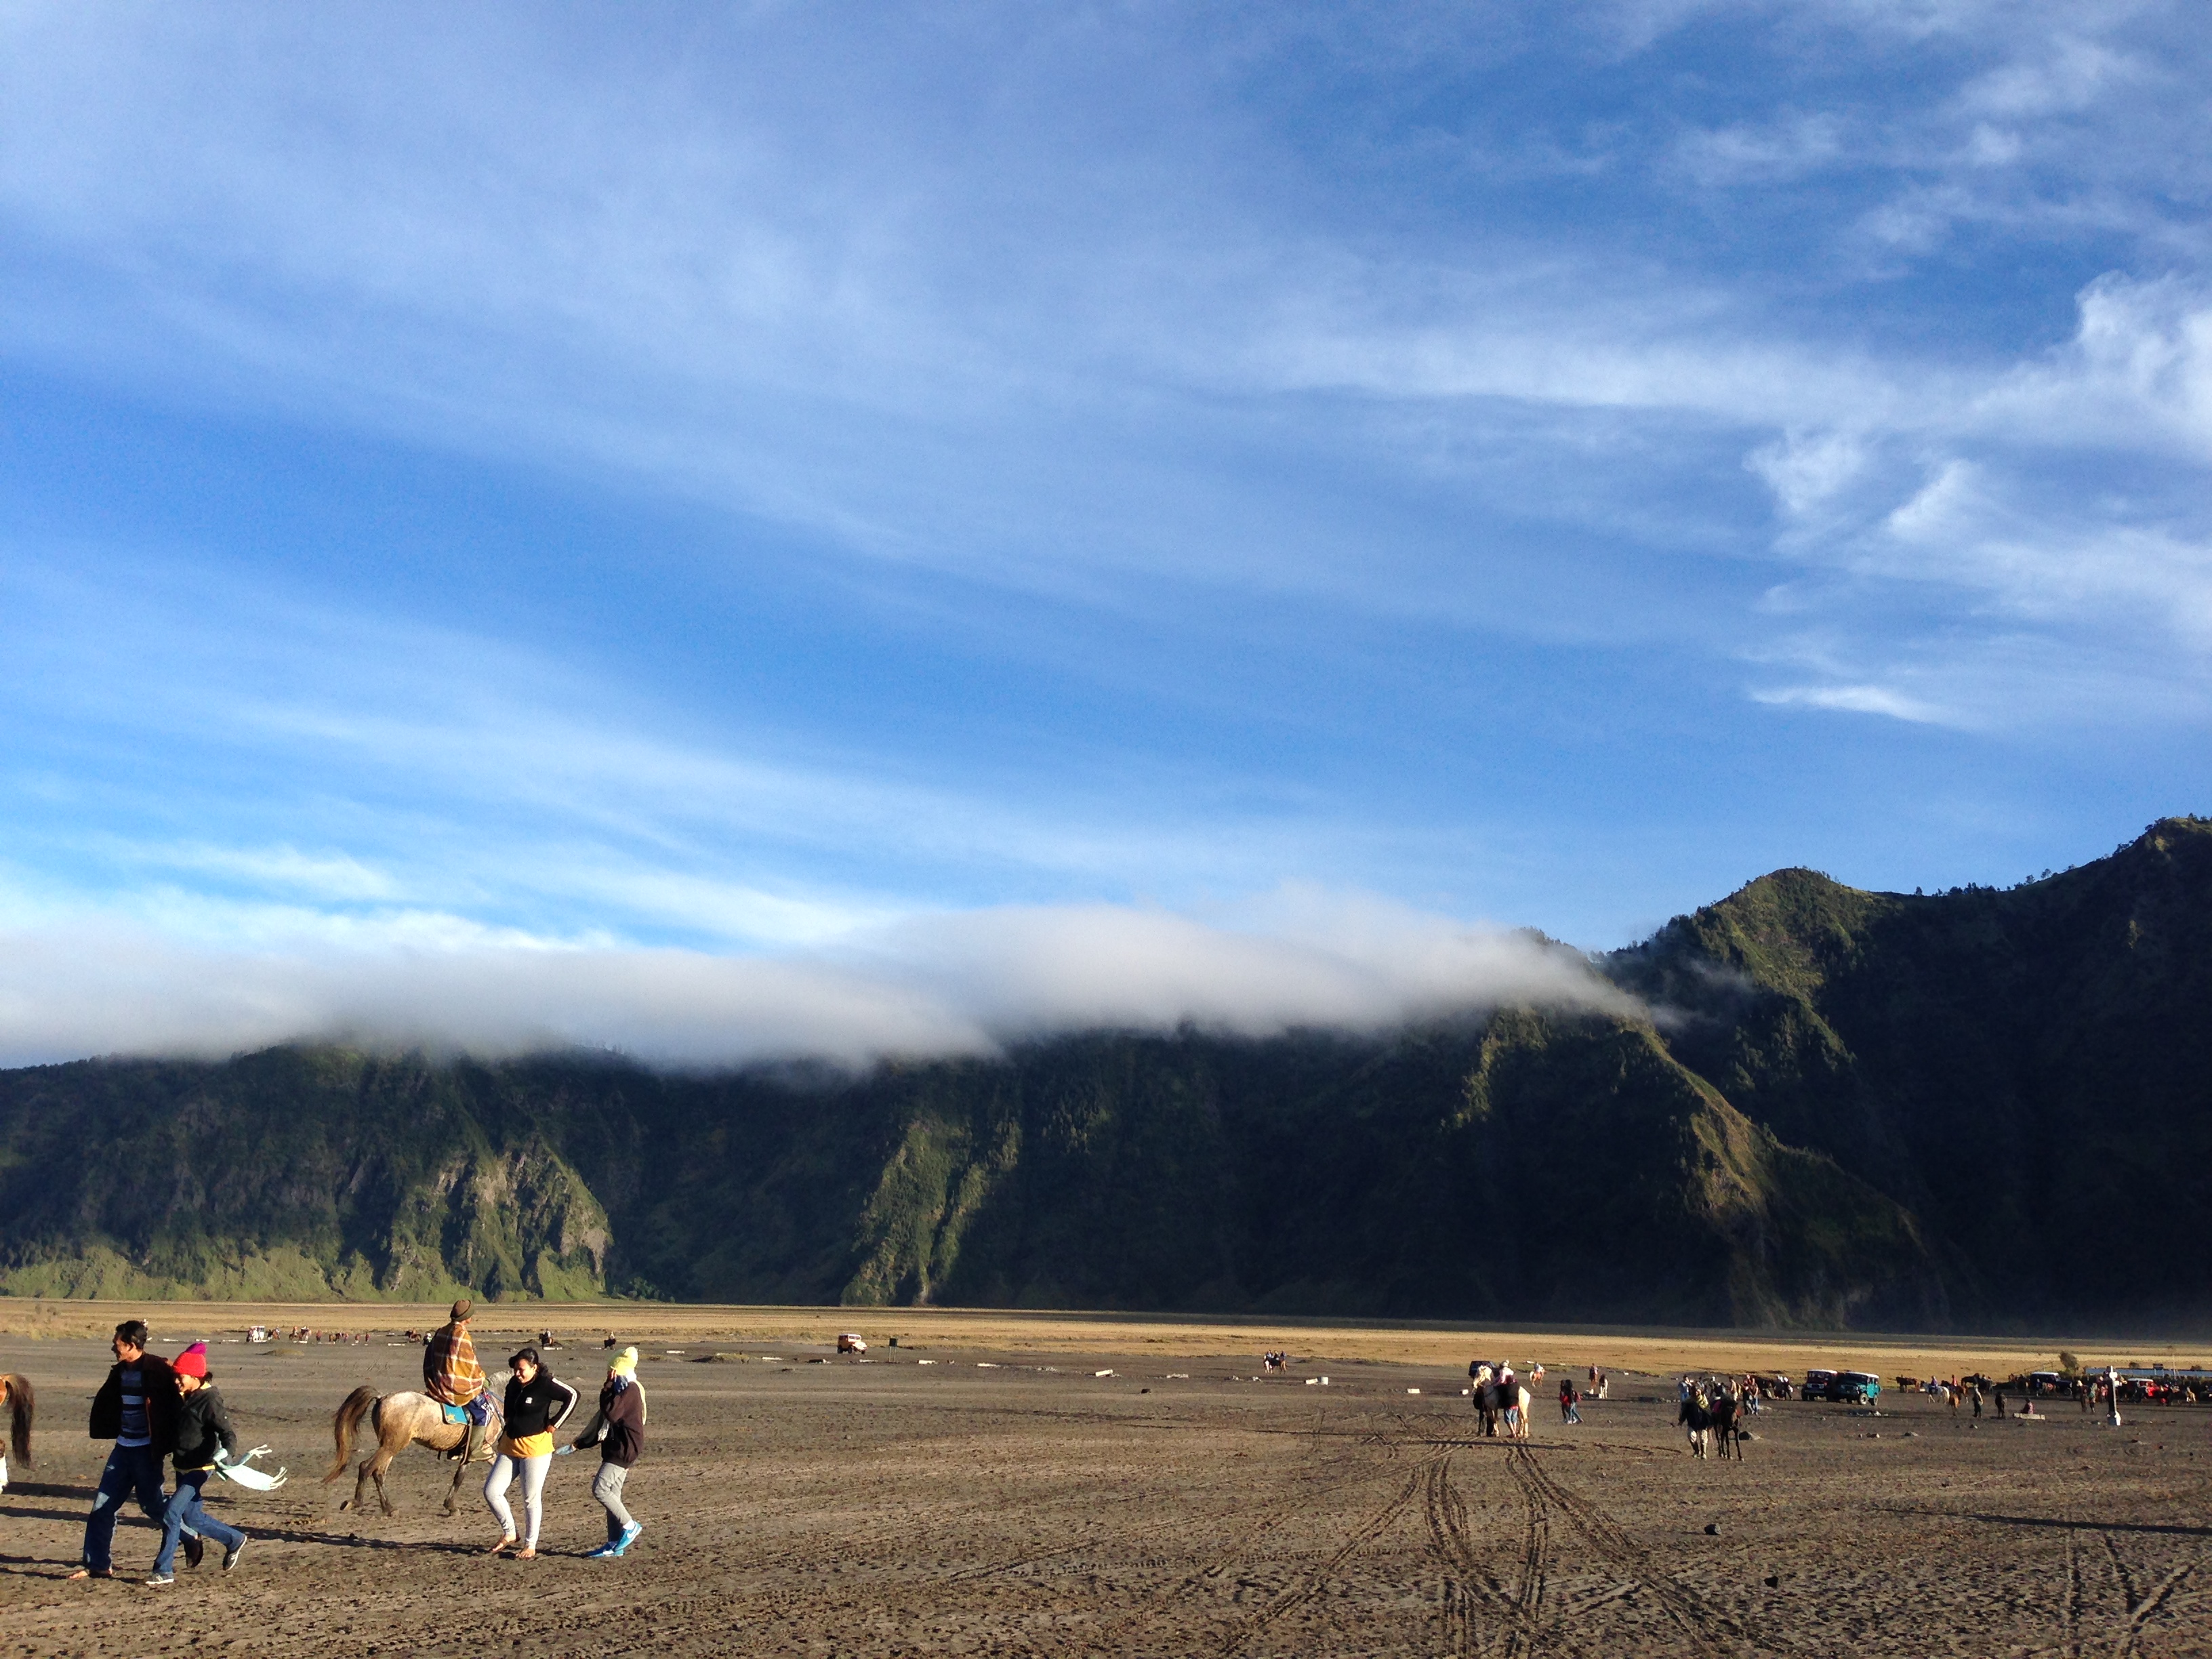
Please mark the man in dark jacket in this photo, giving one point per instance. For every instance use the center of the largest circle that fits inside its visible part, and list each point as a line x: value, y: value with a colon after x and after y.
x: 137, y: 1408
x: 618, y: 1429
x: 204, y: 1440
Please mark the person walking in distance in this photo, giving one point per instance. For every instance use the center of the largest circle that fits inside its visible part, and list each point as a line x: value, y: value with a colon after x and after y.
x: 137, y: 1408
x: 452, y: 1376
x: 1567, y: 1399
x: 204, y: 1440
x: 537, y: 1404
x: 618, y: 1429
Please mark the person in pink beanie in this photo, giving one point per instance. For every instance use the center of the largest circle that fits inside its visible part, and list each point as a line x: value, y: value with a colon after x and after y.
x: 205, y: 1440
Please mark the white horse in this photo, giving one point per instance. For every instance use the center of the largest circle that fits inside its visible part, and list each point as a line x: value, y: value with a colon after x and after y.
x: 1494, y: 1398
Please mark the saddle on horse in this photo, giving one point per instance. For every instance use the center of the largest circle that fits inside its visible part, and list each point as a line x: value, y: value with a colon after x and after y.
x: 477, y: 1416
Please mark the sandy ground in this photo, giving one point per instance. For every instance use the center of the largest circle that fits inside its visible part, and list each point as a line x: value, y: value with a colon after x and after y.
x: 1428, y: 1344
x: 923, y: 1502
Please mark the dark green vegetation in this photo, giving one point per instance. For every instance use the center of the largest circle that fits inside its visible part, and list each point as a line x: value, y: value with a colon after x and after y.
x: 1978, y: 1107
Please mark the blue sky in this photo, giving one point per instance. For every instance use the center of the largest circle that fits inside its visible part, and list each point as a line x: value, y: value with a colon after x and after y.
x: 1020, y: 514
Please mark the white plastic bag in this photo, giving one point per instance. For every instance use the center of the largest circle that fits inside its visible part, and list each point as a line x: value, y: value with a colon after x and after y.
x: 240, y: 1474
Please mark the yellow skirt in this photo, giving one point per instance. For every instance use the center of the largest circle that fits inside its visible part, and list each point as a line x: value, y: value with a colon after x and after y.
x: 530, y: 1445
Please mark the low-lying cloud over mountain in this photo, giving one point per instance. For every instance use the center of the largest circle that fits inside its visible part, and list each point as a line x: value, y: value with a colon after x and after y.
x: 959, y: 984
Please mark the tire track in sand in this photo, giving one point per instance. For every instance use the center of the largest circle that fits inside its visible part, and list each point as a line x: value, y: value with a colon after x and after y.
x: 1251, y: 1521
x: 1276, y: 1510
x: 1535, y: 1559
x: 1707, y: 1629
x: 1256, y: 1522
x: 2142, y: 1608
x: 2074, y: 1596
x: 1468, y: 1582
x: 1367, y: 1532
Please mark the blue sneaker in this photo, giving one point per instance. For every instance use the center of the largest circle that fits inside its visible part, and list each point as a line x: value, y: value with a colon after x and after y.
x: 600, y: 1553
x: 629, y: 1536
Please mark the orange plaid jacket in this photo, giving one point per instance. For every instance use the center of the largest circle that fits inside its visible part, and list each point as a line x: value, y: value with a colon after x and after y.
x: 450, y: 1375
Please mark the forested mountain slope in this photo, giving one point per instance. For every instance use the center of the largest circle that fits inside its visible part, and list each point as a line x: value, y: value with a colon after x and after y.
x: 1846, y: 1108
x: 2028, y: 1070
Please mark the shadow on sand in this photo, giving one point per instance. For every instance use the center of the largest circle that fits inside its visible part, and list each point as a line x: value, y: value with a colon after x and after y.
x: 28, y: 1566
x: 2086, y: 1526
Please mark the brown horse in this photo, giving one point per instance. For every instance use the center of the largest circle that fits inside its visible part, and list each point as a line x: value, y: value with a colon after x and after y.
x: 16, y: 1393
x: 399, y: 1421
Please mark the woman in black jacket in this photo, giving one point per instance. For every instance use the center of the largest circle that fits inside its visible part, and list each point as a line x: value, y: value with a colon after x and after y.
x: 538, y: 1402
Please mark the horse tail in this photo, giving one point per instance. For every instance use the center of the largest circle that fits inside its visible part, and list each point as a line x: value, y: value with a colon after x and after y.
x: 23, y: 1406
x: 358, y: 1405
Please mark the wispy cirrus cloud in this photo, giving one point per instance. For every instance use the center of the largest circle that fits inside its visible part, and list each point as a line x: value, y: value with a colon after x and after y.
x: 329, y: 876
x: 434, y: 771
x: 1857, y: 699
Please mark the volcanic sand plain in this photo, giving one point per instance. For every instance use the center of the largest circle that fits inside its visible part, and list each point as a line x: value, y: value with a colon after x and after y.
x: 955, y: 1496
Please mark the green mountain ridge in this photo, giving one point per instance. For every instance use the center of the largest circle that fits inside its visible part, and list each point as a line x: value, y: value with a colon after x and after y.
x: 1846, y: 1108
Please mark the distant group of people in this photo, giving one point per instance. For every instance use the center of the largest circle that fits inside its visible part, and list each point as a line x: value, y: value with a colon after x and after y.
x: 537, y: 1404
x: 1571, y: 1395
x: 1975, y: 1392
x: 1713, y: 1409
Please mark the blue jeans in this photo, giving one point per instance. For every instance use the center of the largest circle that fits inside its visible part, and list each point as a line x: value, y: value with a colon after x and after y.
x: 131, y: 1469
x: 184, y: 1512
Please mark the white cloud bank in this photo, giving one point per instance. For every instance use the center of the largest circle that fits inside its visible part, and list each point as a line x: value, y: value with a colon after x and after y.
x: 962, y: 983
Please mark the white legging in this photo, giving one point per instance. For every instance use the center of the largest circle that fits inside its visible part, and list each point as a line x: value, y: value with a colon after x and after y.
x: 532, y: 1470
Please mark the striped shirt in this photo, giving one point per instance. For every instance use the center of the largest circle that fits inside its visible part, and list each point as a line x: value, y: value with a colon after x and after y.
x: 138, y: 1425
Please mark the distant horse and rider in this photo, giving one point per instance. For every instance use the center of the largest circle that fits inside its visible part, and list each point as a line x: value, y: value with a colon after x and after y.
x: 1713, y: 1414
x: 1498, y: 1394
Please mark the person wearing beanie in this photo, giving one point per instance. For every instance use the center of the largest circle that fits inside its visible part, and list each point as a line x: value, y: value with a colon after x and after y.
x: 618, y: 1429
x: 205, y: 1438
x: 137, y: 1408
x: 452, y: 1376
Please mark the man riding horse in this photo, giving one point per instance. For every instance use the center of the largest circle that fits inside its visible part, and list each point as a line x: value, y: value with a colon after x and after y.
x: 452, y: 1376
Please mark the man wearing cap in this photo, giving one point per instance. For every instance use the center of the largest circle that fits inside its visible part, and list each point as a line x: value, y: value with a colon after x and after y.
x: 452, y: 1376
x: 205, y: 1440
x: 137, y: 1408
x: 618, y: 1429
